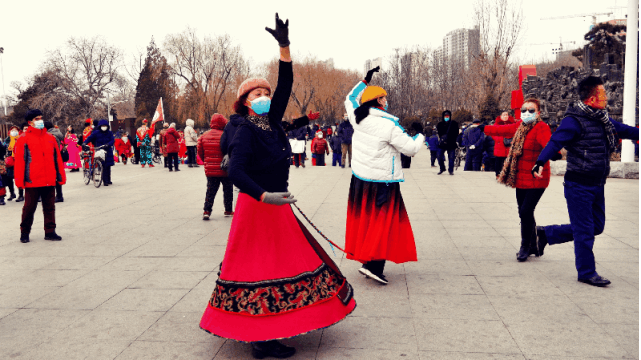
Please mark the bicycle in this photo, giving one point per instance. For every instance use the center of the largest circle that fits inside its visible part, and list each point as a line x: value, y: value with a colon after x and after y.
x: 459, y: 155
x: 92, y: 167
x: 157, y: 156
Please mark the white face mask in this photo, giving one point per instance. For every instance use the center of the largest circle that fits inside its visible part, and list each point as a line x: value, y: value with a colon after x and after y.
x: 124, y: 138
x: 14, y: 133
x: 103, y: 128
x: 319, y: 136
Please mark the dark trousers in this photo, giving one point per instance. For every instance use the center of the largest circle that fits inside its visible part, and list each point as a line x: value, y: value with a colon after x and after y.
x: 137, y: 155
x: 191, y: 155
x: 124, y: 158
x: 586, y: 207
x: 166, y: 160
x: 172, y: 157
x: 336, y: 159
x: 48, y: 195
x: 299, y: 159
x: 498, y: 164
x: 450, y: 159
x: 106, y: 174
x: 58, y: 191
x: 527, y: 199
x: 213, y: 183
x: 375, y: 266
x: 473, y: 160
x: 320, y: 159
x: 433, y: 156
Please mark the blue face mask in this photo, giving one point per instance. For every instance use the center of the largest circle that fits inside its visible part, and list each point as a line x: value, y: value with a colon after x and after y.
x: 385, y: 107
x: 528, y: 117
x: 39, y: 124
x: 261, y: 105
x: 446, y: 119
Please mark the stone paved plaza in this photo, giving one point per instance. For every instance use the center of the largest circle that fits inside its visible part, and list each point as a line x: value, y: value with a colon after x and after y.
x: 137, y: 265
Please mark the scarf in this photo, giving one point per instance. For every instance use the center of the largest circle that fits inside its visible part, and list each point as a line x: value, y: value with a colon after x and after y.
x: 261, y: 121
x: 508, y: 174
x: 12, y: 142
x: 602, y: 116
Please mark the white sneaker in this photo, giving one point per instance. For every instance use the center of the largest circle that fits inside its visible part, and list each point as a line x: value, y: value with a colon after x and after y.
x: 368, y: 274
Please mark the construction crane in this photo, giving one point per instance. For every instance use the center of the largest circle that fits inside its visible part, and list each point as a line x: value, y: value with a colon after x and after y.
x: 554, y: 51
x: 594, y: 15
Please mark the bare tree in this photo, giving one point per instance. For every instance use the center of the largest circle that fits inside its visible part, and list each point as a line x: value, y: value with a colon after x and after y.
x: 86, y: 68
x: 500, y: 24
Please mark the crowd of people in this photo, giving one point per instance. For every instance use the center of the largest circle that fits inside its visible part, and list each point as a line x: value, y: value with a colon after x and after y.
x: 275, y: 280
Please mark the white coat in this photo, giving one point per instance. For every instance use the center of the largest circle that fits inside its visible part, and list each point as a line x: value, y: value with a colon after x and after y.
x: 191, y: 138
x: 378, y: 142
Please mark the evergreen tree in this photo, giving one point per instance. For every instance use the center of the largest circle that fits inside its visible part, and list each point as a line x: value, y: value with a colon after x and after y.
x: 154, y: 82
x: 489, y: 109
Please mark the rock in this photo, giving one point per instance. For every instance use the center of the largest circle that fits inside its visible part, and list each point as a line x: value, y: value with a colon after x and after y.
x: 631, y: 170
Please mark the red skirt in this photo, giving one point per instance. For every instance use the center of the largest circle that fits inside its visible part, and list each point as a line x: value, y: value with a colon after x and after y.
x: 276, y: 281
x: 377, y: 224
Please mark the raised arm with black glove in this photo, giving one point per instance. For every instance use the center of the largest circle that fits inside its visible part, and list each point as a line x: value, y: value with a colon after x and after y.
x: 370, y: 73
x: 281, y: 32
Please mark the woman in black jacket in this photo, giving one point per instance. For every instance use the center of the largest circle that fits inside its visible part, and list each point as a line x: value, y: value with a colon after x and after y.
x: 275, y: 281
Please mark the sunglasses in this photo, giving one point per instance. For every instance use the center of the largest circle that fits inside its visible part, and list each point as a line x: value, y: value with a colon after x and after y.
x: 532, y: 111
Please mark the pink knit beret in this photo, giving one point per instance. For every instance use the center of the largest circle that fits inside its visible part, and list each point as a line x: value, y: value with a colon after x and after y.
x: 251, y: 84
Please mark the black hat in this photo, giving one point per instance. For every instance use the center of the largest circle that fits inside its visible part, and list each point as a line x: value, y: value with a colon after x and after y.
x: 48, y: 125
x: 476, y: 121
x: 32, y: 114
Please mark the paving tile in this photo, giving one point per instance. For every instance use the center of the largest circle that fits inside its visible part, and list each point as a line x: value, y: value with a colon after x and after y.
x: 21, y: 296
x: 451, y: 306
x: 464, y: 336
x: 625, y: 335
x: 169, y: 280
x: 442, y: 284
x: 524, y: 285
x: 77, y: 349
x: 76, y: 298
x: 169, y: 350
x: 109, y: 325
x: 329, y: 353
x: 144, y: 299
x: 371, y: 333
x: 448, y: 355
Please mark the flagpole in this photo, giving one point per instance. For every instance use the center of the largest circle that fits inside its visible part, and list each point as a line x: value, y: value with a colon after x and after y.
x: 163, y: 111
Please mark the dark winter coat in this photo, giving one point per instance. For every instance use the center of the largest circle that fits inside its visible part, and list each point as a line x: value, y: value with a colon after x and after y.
x: 230, y: 132
x: 489, y: 146
x: 171, y: 140
x: 38, y: 160
x: 432, y: 142
x: 57, y: 134
x: 100, y: 138
x: 449, y: 131
x: 535, y: 140
x: 345, y: 131
x: 260, y: 159
x: 500, y: 149
x: 209, y: 148
x: 473, y: 136
x: 301, y: 133
x: 335, y: 144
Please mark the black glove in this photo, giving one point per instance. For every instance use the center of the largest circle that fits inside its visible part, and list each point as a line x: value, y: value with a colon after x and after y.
x: 368, y: 77
x: 535, y: 169
x: 417, y: 127
x: 556, y: 157
x: 281, y: 33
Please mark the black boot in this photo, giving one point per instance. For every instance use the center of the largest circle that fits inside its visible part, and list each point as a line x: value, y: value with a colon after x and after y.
x: 13, y: 196
x: 20, y: 198
x: 24, y: 238
x: 542, y: 239
x: 273, y: 348
x: 2, y: 201
x: 53, y: 236
x: 523, y: 253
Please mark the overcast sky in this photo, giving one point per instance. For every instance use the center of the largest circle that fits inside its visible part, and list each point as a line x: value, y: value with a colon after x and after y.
x: 350, y: 32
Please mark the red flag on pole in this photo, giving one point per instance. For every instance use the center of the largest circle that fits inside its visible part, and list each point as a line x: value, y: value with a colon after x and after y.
x: 159, y: 115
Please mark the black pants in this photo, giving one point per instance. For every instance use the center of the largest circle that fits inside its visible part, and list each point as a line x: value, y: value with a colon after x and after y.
x: 320, y: 159
x: 48, y: 195
x: 165, y: 160
x: 450, y: 159
x: 213, y: 183
x: 172, y: 157
x: 59, y: 192
x: 498, y: 164
x: 375, y: 266
x: 191, y: 155
x: 137, y: 155
x: 299, y: 159
x: 124, y: 158
x: 433, y: 156
x: 106, y: 174
x: 527, y: 199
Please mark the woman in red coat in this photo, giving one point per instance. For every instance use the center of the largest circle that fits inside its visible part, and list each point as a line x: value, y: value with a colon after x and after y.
x: 529, y: 137
x: 501, y: 144
x: 171, y: 143
x: 123, y: 147
x: 211, y: 154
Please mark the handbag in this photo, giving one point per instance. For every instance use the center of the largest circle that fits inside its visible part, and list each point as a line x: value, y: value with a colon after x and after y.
x: 64, y: 154
x: 10, y: 161
x: 507, y: 142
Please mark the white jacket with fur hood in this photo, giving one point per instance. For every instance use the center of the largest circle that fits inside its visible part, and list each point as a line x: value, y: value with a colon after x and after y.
x: 378, y: 142
x: 191, y: 138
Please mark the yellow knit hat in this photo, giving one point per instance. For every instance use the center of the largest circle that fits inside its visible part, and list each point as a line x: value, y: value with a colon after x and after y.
x: 371, y: 93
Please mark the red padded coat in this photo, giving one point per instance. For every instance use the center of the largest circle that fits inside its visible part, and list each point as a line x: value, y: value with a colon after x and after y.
x: 171, y: 140
x: 38, y: 160
x: 535, y: 141
x: 500, y: 150
x: 209, y: 147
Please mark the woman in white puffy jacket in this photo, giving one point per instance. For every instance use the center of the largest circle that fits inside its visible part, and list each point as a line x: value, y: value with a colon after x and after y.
x: 191, y: 141
x: 378, y: 228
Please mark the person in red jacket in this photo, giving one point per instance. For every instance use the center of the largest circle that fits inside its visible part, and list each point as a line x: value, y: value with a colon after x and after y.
x: 501, y: 144
x: 123, y: 147
x: 210, y: 152
x: 320, y: 147
x: 529, y: 137
x: 170, y: 140
x: 38, y: 169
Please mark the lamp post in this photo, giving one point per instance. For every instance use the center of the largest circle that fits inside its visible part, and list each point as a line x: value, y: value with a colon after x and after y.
x: 630, y: 77
x: 4, y: 94
x: 109, y: 108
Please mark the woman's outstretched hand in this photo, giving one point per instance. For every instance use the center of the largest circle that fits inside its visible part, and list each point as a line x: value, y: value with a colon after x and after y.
x: 281, y: 32
x: 368, y: 77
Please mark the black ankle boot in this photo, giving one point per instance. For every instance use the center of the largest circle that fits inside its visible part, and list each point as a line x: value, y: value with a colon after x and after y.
x: 523, y: 253
x: 542, y: 239
x: 13, y: 196
x: 273, y: 348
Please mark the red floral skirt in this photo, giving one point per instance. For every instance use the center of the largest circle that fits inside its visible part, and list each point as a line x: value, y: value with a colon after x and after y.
x: 377, y: 224
x: 276, y: 281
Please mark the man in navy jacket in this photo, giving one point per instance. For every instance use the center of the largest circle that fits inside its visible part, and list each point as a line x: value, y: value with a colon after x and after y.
x: 589, y: 135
